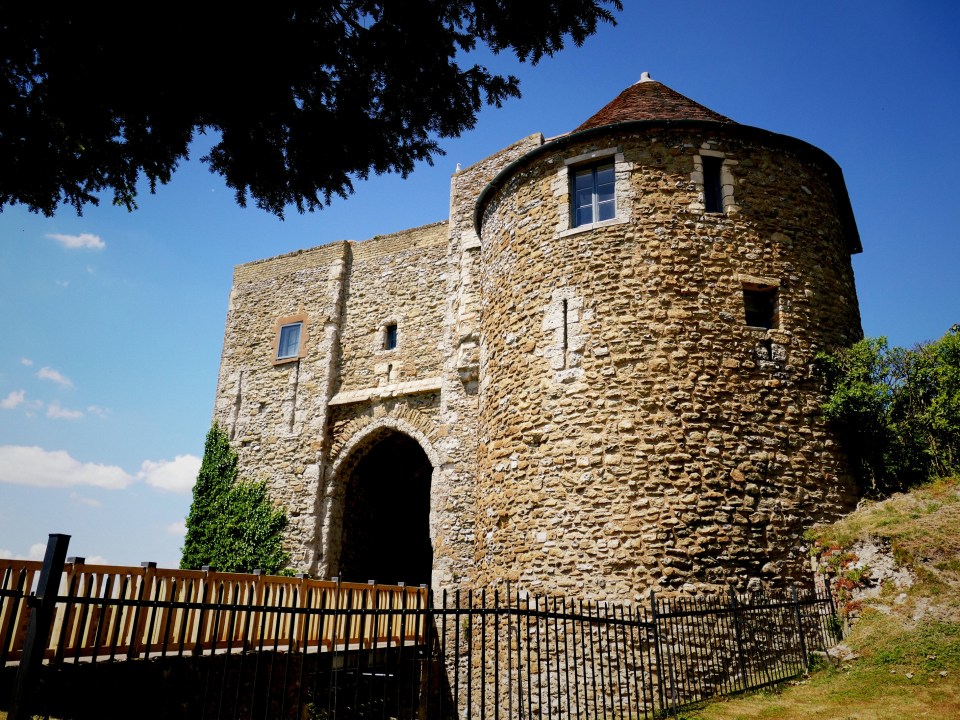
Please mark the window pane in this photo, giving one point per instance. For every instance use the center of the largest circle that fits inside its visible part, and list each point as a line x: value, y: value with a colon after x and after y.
x: 605, y: 175
x: 593, y: 191
x: 606, y: 210
x: 584, y: 215
x: 390, y: 340
x: 605, y: 192
x: 583, y: 181
x: 289, y: 345
x: 712, y: 195
x: 584, y: 198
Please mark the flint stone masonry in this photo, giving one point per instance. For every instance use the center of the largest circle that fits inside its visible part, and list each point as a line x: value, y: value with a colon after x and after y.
x: 688, y: 447
x: 599, y: 418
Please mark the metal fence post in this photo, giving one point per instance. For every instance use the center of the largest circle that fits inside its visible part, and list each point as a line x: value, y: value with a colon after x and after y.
x: 739, y: 634
x: 656, y: 648
x: 803, y: 640
x: 42, y: 604
x: 836, y: 629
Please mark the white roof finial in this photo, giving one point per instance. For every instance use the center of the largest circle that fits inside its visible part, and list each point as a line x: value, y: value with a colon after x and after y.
x: 645, y: 77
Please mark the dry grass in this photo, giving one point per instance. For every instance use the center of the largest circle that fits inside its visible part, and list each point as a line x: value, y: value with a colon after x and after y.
x: 908, y: 645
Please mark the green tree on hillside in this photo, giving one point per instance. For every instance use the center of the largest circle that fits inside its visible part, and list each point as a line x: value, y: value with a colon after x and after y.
x: 897, y: 410
x: 232, y: 525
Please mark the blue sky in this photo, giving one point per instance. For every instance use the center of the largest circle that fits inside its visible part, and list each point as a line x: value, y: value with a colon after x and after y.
x: 112, y: 322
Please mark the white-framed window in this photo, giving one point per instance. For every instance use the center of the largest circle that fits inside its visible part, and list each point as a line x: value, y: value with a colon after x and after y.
x: 596, y: 188
x: 288, y: 344
x: 592, y: 194
x: 290, y: 338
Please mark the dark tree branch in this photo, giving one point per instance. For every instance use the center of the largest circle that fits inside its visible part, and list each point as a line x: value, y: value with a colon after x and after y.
x: 305, y: 97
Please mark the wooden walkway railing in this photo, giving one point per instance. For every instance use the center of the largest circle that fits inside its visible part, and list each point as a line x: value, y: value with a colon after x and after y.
x: 262, y: 646
x: 107, y: 612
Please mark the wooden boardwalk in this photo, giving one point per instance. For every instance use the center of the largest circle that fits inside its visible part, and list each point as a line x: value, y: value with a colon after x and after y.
x: 108, y: 612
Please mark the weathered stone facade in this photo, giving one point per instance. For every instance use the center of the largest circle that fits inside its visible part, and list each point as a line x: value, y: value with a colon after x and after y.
x: 599, y: 417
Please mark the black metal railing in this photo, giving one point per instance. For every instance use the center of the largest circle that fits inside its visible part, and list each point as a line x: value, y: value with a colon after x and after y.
x: 245, y: 650
x: 512, y: 655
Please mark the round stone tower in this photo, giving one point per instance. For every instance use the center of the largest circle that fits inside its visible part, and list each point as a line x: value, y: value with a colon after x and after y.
x: 654, y: 287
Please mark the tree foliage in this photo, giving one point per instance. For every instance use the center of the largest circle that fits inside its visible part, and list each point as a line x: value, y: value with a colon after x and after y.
x: 303, y: 96
x: 232, y: 525
x: 898, y: 411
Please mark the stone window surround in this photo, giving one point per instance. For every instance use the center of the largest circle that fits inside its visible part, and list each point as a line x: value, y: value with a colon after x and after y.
x: 304, y: 337
x: 380, y: 337
x: 564, y: 320
x: 755, y: 282
x: 621, y: 190
x: 597, y: 180
x: 727, y: 182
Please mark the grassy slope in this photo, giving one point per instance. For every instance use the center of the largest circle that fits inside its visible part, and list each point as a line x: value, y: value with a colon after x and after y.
x: 908, y: 642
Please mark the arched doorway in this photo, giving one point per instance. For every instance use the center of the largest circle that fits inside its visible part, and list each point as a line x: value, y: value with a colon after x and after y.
x: 386, y: 514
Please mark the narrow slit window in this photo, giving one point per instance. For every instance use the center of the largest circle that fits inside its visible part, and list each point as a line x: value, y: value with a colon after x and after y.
x: 760, y: 306
x: 565, y: 328
x: 593, y: 196
x: 390, y: 337
x: 289, y: 342
x: 712, y: 186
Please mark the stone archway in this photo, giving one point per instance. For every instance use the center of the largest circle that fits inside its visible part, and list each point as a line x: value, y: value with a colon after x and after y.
x: 385, y: 533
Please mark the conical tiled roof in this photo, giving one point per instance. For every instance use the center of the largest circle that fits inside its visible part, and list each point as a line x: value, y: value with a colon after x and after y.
x: 650, y: 100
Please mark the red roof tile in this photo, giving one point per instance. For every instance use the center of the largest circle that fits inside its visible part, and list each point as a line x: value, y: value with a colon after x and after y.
x: 650, y: 100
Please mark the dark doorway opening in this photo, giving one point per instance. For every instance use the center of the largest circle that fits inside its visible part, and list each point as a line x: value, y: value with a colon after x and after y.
x: 386, y: 518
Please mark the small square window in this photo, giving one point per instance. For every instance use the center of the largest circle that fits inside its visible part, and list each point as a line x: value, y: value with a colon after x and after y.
x: 592, y: 194
x: 289, y: 343
x: 390, y: 337
x: 712, y: 186
x: 760, y: 306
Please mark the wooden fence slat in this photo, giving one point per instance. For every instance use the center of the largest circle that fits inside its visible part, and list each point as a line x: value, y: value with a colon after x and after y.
x: 20, y: 577
x: 115, y: 612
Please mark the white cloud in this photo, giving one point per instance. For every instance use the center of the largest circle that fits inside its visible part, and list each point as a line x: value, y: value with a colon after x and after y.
x: 37, y: 551
x: 48, y: 373
x: 100, y: 412
x: 26, y: 361
x: 62, y: 283
x: 96, y: 560
x: 61, y: 413
x: 176, y: 476
x: 83, y: 240
x: 178, y: 528
x: 92, y: 502
x: 15, y: 398
x: 22, y: 465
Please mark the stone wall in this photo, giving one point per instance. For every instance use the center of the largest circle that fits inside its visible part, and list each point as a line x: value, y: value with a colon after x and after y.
x: 599, y: 417
x: 291, y: 422
x: 276, y: 414
x: 396, y: 279
x: 453, y: 498
x: 634, y: 432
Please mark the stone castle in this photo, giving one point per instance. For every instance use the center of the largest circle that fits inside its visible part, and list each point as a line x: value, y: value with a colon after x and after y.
x: 595, y: 378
